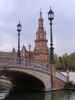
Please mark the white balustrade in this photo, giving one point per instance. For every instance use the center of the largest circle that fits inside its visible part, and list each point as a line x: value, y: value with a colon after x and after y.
x: 31, y: 66
x: 61, y: 76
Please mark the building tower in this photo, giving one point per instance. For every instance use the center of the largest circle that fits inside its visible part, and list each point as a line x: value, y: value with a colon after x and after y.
x: 41, y: 49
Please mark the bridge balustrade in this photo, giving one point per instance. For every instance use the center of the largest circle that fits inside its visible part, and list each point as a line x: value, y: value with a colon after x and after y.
x: 23, y: 65
x: 31, y: 66
x: 61, y: 76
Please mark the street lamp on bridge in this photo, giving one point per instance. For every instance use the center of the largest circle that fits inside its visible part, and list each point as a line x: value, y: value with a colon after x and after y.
x: 51, y: 51
x: 19, y: 28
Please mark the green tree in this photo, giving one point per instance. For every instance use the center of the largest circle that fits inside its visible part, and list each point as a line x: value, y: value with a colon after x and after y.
x: 67, y: 61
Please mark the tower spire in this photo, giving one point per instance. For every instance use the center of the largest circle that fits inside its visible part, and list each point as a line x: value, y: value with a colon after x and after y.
x: 40, y: 21
x: 40, y: 13
x: 41, y: 33
x: 41, y: 49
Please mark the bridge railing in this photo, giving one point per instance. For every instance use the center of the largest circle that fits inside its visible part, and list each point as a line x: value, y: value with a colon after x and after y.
x: 61, y: 76
x: 32, y: 66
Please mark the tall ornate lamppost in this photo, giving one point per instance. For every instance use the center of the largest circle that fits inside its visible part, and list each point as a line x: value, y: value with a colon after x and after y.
x: 51, y: 52
x: 19, y: 28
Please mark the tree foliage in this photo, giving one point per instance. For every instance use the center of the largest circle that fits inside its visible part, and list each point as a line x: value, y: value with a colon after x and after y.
x: 67, y: 61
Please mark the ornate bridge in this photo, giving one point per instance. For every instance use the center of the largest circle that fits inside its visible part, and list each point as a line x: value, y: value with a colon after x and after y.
x: 31, y: 76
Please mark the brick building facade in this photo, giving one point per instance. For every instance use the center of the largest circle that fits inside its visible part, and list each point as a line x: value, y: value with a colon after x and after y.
x: 40, y: 52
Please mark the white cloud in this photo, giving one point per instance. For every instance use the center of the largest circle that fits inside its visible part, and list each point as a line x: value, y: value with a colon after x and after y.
x: 28, y: 12
x: 6, y: 6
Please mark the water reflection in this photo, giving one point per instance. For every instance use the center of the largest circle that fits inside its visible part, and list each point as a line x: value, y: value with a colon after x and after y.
x: 27, y: 96
x: 60, y: 95
x: 68, y: 94
x: 55, y: 95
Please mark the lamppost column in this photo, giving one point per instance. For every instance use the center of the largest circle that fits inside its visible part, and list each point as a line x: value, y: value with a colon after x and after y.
x: 18, y: 41
x: 51, y: 53
x: 51, y: 32
x: 19, y: 27
x: 67, y: 75
x: 29, y: 54
x: 19, y: 55
x: 51, y: 45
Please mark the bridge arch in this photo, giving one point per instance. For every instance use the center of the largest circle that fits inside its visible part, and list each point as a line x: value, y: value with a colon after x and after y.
x: 25, y: 79
x: 39, y: 73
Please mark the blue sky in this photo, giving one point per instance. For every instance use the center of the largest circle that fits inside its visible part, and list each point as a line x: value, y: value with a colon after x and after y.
x: 27, y: 11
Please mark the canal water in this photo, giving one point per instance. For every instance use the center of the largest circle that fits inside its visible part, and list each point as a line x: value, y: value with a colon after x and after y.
x: 56, y: 95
